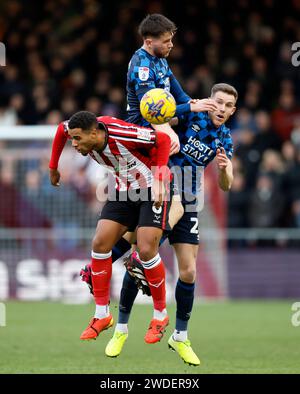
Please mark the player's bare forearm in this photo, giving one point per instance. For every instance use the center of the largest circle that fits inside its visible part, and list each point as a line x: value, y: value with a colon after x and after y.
x: 225, y: 179
x: 164, y: 128
x: 167, y: 129
x: 225, y: 170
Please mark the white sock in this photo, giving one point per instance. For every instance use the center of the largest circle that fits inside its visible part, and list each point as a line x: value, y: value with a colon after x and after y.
x: 101, y: 311
x: 122, y: 328
x: 180, y: 336
x: 160, y: 315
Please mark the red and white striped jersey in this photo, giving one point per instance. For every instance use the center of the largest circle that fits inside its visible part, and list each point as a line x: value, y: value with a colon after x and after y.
x: 128, y: 154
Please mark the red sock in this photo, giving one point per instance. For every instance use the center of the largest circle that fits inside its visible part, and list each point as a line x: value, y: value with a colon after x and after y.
x: 101, y: 275
x: 156, y: 277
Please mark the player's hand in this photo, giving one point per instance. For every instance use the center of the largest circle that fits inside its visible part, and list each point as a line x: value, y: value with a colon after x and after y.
x: 173, y: 121
x: 203, y: 105
x: 175, y: 144
x: 158, y: 192
x: 222, y: 159
x: 54, y: 177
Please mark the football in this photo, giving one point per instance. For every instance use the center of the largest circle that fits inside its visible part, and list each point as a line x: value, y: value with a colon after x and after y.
x: 158, y: 106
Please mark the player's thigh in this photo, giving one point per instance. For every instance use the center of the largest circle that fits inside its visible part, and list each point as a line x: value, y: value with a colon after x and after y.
x: 176, y: 210
x: 186, y: 256
x: 123, y: 212
x: 108, y: 233
x: 149, y: 235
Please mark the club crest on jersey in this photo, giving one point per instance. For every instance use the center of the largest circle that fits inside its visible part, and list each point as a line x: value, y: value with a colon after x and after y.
x: 143, y: 73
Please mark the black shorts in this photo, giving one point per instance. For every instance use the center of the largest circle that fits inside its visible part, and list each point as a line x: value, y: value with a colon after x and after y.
x: 186, y: 231
x: 138, y: 213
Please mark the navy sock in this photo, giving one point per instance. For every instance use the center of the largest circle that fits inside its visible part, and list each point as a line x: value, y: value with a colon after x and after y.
x: 120, y: 248
x: 128, y: 294
x: 184, y: 295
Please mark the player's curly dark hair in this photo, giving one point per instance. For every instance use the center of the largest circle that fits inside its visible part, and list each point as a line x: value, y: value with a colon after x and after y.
x: 155, y: 25
x: 84, y: 120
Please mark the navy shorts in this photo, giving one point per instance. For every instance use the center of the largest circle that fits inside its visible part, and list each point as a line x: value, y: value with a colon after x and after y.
x: 186, y: 231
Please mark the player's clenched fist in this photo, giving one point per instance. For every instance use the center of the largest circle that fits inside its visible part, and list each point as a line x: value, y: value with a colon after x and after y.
x: 54, y: 177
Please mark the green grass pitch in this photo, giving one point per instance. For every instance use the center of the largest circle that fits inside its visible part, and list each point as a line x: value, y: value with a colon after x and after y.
x: 229, y: 337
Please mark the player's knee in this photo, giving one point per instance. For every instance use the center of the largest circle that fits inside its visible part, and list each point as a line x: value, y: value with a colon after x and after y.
x: 99, y: 245
x: 187, y: 274
x: 146, y: 252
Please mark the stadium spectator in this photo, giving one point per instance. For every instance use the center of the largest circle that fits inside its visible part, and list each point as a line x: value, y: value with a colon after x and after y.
x: 265, y: 197
x: 265, y: 137
x: 284, y: 116
x: 238, y: 202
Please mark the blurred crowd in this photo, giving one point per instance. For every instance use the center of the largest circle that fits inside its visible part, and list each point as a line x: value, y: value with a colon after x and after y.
x: 69, y: 55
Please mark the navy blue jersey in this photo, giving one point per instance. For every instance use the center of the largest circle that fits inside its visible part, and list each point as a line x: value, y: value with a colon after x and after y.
x: 147, y: 72
x: 199, y: 141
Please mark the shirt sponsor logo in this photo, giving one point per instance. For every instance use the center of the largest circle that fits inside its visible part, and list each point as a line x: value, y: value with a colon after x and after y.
x: 144, y: 134
x: 199, y: 151
x: 124, y: 166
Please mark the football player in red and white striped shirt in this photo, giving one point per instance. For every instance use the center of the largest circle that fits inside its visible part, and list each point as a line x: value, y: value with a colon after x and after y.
x: 138, y: 158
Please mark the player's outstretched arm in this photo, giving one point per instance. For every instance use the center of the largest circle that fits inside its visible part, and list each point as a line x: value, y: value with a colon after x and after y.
x: 59, y: 142
x: 225, y: 170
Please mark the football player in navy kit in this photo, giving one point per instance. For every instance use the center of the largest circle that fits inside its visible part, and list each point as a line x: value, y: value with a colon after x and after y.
x: 149, y: 69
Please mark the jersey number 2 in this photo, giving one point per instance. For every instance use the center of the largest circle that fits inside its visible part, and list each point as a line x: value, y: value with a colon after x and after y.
x: 194, y: 229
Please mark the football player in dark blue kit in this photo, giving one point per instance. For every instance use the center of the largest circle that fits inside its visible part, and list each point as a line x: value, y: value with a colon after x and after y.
x: 203, y: 138
x: 149, y: 69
